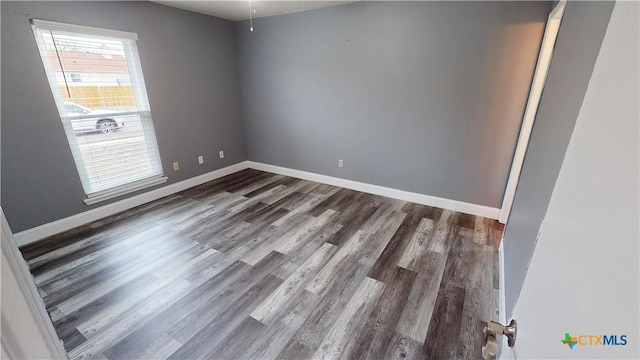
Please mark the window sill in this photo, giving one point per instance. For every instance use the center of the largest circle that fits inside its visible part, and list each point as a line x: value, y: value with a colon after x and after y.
x: 125, y: 189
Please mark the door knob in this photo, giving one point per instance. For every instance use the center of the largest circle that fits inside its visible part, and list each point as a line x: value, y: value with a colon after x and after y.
x: 491, y: 348
x: 510, y: 331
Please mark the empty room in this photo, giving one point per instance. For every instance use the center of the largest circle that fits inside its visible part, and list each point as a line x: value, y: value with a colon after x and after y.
x: 320, y: 179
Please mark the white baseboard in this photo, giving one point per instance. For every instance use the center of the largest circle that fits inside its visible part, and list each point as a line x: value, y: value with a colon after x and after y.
x: 428, y: 200
x: 40, y: 232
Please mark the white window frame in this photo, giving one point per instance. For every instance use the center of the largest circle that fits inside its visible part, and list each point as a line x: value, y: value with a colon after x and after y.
x: 142, y: 103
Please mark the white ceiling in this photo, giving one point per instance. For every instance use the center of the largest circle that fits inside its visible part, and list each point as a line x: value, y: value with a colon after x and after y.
x: 236, y: 10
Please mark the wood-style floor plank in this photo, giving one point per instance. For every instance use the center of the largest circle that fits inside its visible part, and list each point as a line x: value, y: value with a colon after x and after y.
x: 277, y: 334
x: 419, y: 308
x: 395, y: 249
x: 292, y: 287
x: 403, y: 347
x: 379, y: 328
x: 341, y: 338
x: 256, y: 265
x: 333, y: 302
x: 417, y: 245
x: 447, y: 324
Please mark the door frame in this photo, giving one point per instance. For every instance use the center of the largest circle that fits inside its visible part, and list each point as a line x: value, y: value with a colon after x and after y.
x: 531, y: 109
x: 27, y: 330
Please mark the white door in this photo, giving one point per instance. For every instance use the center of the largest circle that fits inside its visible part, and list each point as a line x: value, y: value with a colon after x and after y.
x: 581, y: 294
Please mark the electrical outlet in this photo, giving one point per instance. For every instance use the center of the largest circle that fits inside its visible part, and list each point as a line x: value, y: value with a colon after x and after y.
x: 340, y: 163
x: 221, y: 154
x: 200, y: 159
x: 176, y: 166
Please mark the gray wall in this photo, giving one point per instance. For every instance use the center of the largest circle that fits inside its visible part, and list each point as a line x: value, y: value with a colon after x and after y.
x: 426, y: 97
x: 577, y: 46
x: 191, y: 73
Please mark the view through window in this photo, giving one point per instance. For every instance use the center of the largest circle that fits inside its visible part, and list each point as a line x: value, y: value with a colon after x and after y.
x: 96, y: 80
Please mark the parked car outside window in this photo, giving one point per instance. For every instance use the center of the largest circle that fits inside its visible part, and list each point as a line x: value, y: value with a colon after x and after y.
x: 100, y: 123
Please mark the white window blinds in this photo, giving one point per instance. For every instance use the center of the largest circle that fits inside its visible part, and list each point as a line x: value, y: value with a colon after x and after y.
x: 96, y: 80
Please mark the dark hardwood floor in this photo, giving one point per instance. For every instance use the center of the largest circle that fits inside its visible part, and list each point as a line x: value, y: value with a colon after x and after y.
x: 256, y: 265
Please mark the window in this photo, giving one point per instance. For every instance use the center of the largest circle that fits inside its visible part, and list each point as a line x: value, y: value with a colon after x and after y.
x: 96, y: 80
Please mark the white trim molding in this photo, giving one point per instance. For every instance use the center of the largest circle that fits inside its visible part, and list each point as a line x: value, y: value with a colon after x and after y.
x: 537, y: 85
x: 40, y: 232
x: 423, y: 199
x: 58, y: 26
x: 126, y: 189
x: 27, y: 331
x: 503, y: 298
